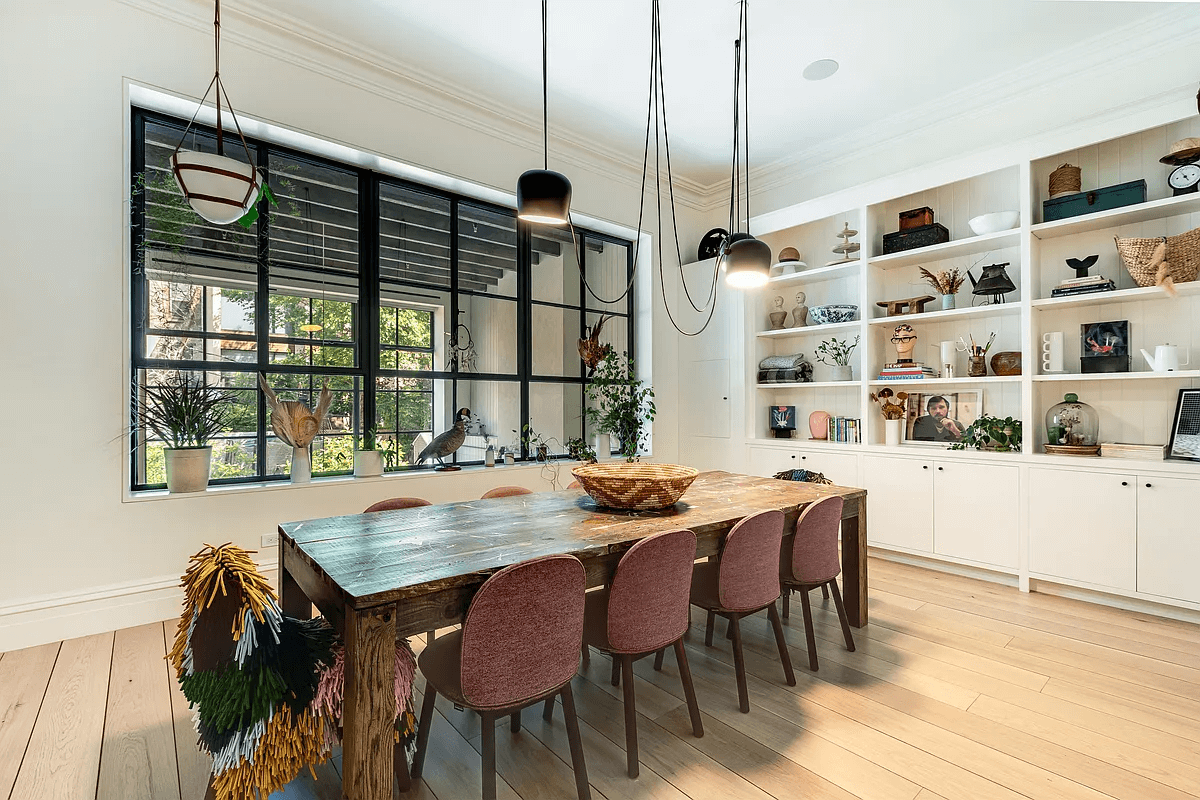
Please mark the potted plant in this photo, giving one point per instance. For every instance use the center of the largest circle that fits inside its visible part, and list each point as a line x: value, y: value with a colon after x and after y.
x: 185, y: 414
x: 537, y: 445
x: 992, y: 433
x: 893, y: 414
x: 580, y: 450
x: 619, y: 404
x: 368, y: 461
x: 945, y: 282
x: 836, y: 355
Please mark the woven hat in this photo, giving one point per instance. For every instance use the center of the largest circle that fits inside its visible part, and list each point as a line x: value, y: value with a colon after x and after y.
x: 789, y: 254
x: 1184, y: 151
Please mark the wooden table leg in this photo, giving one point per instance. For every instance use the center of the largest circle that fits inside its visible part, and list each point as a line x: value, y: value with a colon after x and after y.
x: 854, y: 563
x: 370, y: 710
x: 292, y: 600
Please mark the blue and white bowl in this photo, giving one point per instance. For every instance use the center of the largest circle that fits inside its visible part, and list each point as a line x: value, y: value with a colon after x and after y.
x: 829, y: 315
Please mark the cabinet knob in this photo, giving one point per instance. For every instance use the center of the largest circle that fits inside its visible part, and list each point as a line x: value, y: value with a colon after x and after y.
x: 1124, y: 483
x: 939, y: 469
x: 793, y: 456
x: 1147, y: 486
x: 804, y: 458
x: 924, y: 466
x: 724, y: 398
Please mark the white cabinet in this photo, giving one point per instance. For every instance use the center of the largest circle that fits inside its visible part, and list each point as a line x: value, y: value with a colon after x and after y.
x: 767, y: 461
x: 1083, y: 526
x: 975, y: 512
x: 899, y: 502
x: 841, y: 468
x: 1168, y: 542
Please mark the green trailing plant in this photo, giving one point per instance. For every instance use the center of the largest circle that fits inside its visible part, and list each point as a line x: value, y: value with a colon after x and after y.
x: 537, y: 445
x: 836, y: 353
x: 580, y: 450
x: 992, y: 433
x: 184, y: 412
x: 620, y: 404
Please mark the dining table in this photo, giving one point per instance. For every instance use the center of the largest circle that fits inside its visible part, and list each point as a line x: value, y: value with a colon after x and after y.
x: 389, y: 574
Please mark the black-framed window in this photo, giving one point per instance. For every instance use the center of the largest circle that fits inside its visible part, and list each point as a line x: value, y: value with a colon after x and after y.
x: 409, y: 302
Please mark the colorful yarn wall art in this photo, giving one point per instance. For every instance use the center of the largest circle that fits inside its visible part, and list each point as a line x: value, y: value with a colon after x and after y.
x: 266, y: 689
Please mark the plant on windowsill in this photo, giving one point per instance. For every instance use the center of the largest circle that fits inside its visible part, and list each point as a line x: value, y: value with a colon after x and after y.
x: 619, y: 404
x: 185, y: 414
x: 580, y: 450
x: 368, y: 461
x: 992, y: 433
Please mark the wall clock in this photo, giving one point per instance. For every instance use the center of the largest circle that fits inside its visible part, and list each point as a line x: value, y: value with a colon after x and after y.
x: 1184, y: 179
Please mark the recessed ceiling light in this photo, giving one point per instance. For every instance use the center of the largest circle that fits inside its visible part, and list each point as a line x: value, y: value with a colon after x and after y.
x: 820, y: 70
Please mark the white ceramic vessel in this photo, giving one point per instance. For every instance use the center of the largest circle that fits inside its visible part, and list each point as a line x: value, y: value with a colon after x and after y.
x: 994, y: 222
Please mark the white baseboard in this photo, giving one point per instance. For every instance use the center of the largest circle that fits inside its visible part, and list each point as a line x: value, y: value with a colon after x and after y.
x: 942, y: 565
x: 69, y: 615
x: 1139, y: 605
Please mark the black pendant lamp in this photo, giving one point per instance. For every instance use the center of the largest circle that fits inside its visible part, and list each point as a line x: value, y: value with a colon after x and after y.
x: 543, y: 195
x: 746, y: 260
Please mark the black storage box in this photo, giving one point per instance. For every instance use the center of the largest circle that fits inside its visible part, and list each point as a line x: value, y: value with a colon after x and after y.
x: 1072, y: 205
x: 912, y: 238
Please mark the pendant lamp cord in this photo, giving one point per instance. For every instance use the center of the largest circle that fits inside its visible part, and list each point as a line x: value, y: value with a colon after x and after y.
x: 545, y: 124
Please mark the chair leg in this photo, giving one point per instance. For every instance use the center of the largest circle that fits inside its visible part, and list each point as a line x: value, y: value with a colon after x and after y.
x: 810, y: 636
x: 729, y: 628
x: 631, y: 745
x: 841, y: 611
x: 423, y: 730
x: 658, y: 659
x: 616, y: 670
x: 581, y: 779
x: 787, y: 602
x: 548, y: 710
x: 689, y: 692
x: 708, y: 628
x: 585, y: 655
x: 429, y: 637
x: 784, y: 656
x: 514, y: 720
x: 488, y: 752
x: 400, y: 768
x: 824, y: 592
x: 739, y: 665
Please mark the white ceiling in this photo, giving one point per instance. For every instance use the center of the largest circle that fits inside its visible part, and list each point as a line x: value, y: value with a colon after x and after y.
x: 903, y: 64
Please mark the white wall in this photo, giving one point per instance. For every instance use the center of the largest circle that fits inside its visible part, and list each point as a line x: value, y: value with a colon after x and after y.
x: 75, y: 555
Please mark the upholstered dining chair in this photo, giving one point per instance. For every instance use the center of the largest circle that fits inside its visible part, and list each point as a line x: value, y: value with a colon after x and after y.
x: 505, y: 491
x: 518, y: 645
x: 644, y: 611
x: 813, y: 560
x: 394, y: 503
x: 741, y: 582
x: 574, y: 485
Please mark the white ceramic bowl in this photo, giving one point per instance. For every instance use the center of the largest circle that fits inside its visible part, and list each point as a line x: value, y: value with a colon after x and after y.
x: 994, y: 223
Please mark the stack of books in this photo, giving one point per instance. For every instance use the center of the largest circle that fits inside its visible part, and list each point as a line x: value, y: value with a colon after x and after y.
x: 909, y: 371
x: 844, y: 429
x: 1074, y: 286
x: 1146, y: 452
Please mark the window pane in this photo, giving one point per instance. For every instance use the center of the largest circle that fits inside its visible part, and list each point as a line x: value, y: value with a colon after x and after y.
x: 315, y: 225
x: 615, y: 332
x: 414, y: 236
x: 555, y: 413
x: 496, y: 410
x: 555, y: 267
x: 491, y: 334
x: 406, y: 338
x: 607, y: 273
x: 333, y: 447
x: 487, y: 251
x: 403, y: 411
x: 555, y: 341
x: 234, y: 458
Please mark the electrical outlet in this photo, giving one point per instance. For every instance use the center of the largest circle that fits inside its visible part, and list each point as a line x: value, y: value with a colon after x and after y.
x: 270, y: 540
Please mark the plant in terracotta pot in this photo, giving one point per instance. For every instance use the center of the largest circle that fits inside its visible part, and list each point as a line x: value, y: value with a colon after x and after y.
x: 992, y: 433
x: 836, y: 354
x: 185, y: 414
x: 619, y: 404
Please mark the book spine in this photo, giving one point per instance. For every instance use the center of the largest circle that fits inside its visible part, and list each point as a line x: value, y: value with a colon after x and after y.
x: 1103, y: 287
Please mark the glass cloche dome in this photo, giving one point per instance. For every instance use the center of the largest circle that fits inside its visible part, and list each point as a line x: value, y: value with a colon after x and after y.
x: 1072, y: 424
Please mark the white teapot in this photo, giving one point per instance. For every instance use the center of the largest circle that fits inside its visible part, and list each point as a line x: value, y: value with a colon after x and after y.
x: 1165, y: 358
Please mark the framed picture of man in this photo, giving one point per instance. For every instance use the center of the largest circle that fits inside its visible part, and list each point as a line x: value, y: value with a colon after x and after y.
x: 941, y: 418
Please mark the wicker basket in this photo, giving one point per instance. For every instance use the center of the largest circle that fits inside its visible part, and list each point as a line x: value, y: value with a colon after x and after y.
x: 1065, y: 180
x: 635, y: 487
x: 1162, y: 261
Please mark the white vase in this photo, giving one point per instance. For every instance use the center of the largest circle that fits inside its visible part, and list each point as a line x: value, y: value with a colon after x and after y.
x: 947, y: 302
x: 188, y: 468
x: 842, y: 373
x: 892, y: 429
x: 301, y: 465
x: 603, y: 447
x: 368, y: 463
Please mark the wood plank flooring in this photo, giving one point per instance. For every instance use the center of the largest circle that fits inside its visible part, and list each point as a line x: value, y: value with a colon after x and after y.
x: 958, y: 690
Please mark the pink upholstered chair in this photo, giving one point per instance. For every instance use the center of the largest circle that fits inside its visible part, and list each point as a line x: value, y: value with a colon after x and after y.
x: 505, y: 491
x: 812, y: 561
x: 574, y: 485
x: 395, y: 503
x: 644, y: 611
x: 518, y: 645
x: 742, y: 582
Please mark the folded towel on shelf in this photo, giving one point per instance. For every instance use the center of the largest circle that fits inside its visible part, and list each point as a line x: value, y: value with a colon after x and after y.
x: 783, y: 362
x: 801, y: 375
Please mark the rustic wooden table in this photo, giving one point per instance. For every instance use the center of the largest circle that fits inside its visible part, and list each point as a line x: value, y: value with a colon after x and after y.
x: 400, y: 573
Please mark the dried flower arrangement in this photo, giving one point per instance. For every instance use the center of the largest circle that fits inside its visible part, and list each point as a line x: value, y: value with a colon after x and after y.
x: 944, y: 281
x: 889, y: 409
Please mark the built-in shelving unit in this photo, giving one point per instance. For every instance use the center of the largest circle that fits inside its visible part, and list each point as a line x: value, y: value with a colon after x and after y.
x: 952, y: 249
x: 1118, y: 296
x: 1117, y: 217
x: 1177, y: 375
x: 949, y: 381
x: 999, y: 309
x: 831, y: 273
x: 811, y: 385
x: 809, y: 330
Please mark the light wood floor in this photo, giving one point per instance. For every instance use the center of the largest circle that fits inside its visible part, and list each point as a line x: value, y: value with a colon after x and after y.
x: 959, y: 690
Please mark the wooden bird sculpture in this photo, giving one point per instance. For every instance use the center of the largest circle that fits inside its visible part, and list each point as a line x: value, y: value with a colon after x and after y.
x: 590, y: 349
x: 294, y: 422
x: 444, y: 444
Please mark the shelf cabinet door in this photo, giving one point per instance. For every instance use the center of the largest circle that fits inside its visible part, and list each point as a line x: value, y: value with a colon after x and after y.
x: 1083, y: 526
x: 900, y: 502
x: 841, y: 468
x: 1168, y: 540
x: 767, y: 461
x: 975, y: 512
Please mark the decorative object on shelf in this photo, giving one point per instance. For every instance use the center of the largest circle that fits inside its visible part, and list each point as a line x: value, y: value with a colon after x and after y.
x: 1065, y: 180
x: 590, y: 349
x: 789, y: 254
x: 905, y: 340
x: 893, y: 414
x: 185, y: 414
x: 908, y: 371
x: 783, y: 421
x: 925, y: 236
x: 942, y: 417
x: 1185, y: 430
x: 620, y: 404
x: 1183, y: 155
x: 368, y: 461
x: 635, y: 486
x: 976, y: 366
x: 789, y: 262
x: 510, y: 457
x: 909, y: 305
x: 1104, y: 347
x: 916, y: 218
x: 777, y: 316
x: 785, y: 369
x: 1082, y: 265
x: 1006, y: 363
x: 543, y: 195
x: 818, y: 425
x: 296, y: 425
x: 994, y: 223
x: 945, y: 282
x: 710, y: 244
x: 803, y: 476
x: 1072, y: 428
x: 832, y: 314
x: 800, y: 311
x: 463, y: 356
x: 947, y: 352
x: 836, y: 354
x: 993, y: 283
x: 1110, y: 197
x: 844, y: 430
x: 846, y: 248
x: 489, y: 456
x: 992, y: 433
x: 1162, y: 261
x: 1166, y: 358
x: 1144, y: 452
x: 444, y: 444
x: 1052, y: 353
x: 1082, y: 283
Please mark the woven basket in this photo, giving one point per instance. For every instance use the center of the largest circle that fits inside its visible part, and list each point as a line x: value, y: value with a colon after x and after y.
x: 635, y: 487
x: 1065, y: 180
x: 1162, y: 261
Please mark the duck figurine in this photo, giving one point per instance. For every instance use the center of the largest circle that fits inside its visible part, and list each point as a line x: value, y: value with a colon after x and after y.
x: 590, y: 349
x: 444, y: 444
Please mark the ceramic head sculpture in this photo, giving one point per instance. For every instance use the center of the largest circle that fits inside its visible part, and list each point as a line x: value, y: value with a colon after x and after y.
x: 905, y: 339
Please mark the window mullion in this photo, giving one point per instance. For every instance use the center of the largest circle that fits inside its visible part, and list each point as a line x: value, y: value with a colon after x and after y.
x: 368, y: 293
x: 262, y: 313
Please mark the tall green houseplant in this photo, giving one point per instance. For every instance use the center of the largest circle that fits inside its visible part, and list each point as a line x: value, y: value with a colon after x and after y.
x: 619, y: 404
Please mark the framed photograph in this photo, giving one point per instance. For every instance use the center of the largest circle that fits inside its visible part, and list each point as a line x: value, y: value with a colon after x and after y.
x: 941, y: 418
x: 1185, y: 431
x: 1104, y: 346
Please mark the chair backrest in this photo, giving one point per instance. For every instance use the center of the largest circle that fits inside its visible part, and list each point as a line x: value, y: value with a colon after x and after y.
x: 748, y: 576
x: 523, y: 631
x: 814, y: 551
x: 574, y: 485
x: 394, y: 503
x: 648, y: 601
x: 505, y: 491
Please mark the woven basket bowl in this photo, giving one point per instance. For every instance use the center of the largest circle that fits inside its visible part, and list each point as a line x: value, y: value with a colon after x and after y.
x: 635, y: 487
